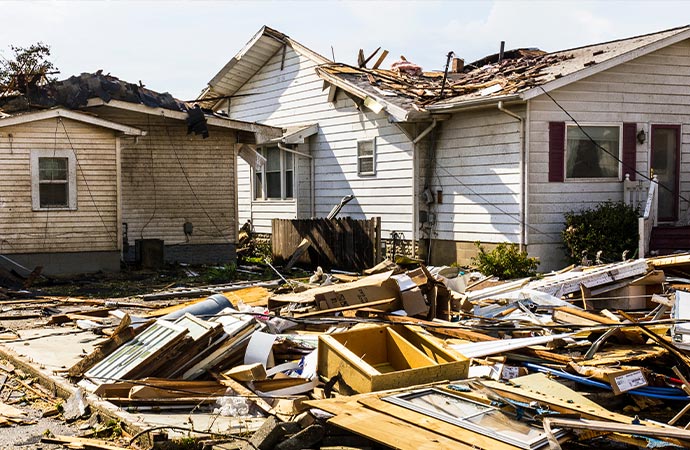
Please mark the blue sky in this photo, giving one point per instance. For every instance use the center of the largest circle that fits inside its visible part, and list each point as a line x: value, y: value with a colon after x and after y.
x: 177, y: 46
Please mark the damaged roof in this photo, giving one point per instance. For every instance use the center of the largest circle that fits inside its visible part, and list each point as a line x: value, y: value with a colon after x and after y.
x: 522, y: 74
x: 75, y: 91
x: 90, y: 90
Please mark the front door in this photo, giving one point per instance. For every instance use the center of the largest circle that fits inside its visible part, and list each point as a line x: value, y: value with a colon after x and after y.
x: 665, y: 164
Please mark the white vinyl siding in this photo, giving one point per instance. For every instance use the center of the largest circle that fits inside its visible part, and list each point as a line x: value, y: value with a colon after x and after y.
x: 652, y: 89
x: 478, y: 171
x: 295, y: 96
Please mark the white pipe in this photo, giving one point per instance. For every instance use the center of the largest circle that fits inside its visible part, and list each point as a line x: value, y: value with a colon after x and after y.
x: 289, y: 150
x: 426, y: 131
x: 522, y: 171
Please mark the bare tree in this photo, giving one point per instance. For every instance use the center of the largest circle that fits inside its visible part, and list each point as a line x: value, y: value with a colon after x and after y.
x: 28, y: 67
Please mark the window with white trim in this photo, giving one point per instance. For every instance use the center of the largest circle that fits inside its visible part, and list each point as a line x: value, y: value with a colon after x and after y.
x: 275, y: 180
x: 366, y: 157
x: 53, y: 180
x: 598, y: 159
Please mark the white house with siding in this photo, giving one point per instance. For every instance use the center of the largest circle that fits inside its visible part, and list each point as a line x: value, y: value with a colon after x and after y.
x: 498, y: 154
x: 78, y: 188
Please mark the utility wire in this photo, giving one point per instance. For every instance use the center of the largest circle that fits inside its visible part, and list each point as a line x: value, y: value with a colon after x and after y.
x: 86, y: 183
x: 153, y: 175
x: 616, y: 157
x: 191, y: 188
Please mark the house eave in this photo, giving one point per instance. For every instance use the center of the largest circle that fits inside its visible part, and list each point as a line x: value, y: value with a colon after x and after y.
x: 397, y: 113
x: 266, y: 131
x: 73, y: 115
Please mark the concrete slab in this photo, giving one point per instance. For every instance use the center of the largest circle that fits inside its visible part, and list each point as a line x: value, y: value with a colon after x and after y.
x: 45, y: 353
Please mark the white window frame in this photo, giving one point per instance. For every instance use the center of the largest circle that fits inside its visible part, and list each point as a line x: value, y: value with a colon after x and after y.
x: 283, y: 178
x: 71, y: 179
x: 571, y: 125
x: 361, y: 157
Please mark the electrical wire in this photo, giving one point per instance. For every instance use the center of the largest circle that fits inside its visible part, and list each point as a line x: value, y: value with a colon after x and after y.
x: 190, y: 430
x: 191, y: 188
x: 153, y: 175
x: 86, y: 183
x: 616, y: 157
x: 663, y: 393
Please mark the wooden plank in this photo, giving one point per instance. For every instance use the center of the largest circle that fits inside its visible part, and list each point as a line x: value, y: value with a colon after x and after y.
x: 576, y: 316
x: 644, y: 430
x: 392, y: 432
x: 434, y: 425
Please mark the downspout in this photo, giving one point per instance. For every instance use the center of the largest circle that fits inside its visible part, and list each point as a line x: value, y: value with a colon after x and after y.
x: 311, y: 173
x: 426, y: 131
x: 415, y: 185
x: 522, y: 172
x: 431, y: 161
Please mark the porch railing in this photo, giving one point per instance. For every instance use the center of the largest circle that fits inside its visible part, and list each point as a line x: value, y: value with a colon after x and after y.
x: 639, y: 194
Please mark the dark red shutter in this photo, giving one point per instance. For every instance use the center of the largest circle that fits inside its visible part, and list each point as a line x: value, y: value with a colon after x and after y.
x: 556, y: 150
x: 629, y: 149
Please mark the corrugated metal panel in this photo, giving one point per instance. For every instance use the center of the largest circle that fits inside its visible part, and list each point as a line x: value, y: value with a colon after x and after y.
x: 140, y: 350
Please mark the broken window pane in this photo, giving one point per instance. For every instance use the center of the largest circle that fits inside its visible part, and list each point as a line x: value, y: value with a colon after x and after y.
x: 592, y: 158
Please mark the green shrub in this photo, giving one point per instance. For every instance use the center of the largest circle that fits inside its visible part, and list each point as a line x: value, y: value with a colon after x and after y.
x: 609, y: 227
x: 506, y: 261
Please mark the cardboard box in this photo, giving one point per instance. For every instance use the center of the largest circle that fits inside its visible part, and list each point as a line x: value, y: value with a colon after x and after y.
x: 414, y: 302
x: 369, y: 289
x: 386, y: 357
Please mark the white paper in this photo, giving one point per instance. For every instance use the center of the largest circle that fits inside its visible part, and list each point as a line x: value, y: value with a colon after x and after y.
x: 631, y: 380
x: 260, y: 349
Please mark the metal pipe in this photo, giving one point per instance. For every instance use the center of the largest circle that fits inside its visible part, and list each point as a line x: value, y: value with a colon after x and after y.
x: 426, y: 131
x: 449, y: 56
x: 522, y: 171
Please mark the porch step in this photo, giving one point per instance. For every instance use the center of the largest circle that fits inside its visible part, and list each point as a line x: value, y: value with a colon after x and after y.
x: 666, y: 240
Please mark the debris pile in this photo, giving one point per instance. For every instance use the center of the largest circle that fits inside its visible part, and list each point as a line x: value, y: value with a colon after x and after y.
x: 402, y: 357
x: 518, y: 71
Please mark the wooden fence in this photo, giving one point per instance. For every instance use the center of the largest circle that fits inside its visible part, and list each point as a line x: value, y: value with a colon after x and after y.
x: 345, y: 244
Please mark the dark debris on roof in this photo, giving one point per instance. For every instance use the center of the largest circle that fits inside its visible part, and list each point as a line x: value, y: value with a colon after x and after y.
x: 74, y: 92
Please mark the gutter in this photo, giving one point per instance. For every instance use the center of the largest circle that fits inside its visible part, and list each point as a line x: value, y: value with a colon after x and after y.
x: 457, y: 107
x: 523, y: 183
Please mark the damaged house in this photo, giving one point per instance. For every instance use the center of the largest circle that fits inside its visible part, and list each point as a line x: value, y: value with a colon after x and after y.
x: 96, y: 170
x: 493, y: 151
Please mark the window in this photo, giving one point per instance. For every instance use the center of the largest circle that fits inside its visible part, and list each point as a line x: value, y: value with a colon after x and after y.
x: 480, y: 418
x: 276, y: 179
x: 586, y: 159
x: 366, y: 157
x: 53, y: 180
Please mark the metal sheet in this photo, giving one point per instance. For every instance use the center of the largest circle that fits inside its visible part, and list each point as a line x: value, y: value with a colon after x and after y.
x: 142, y: 349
